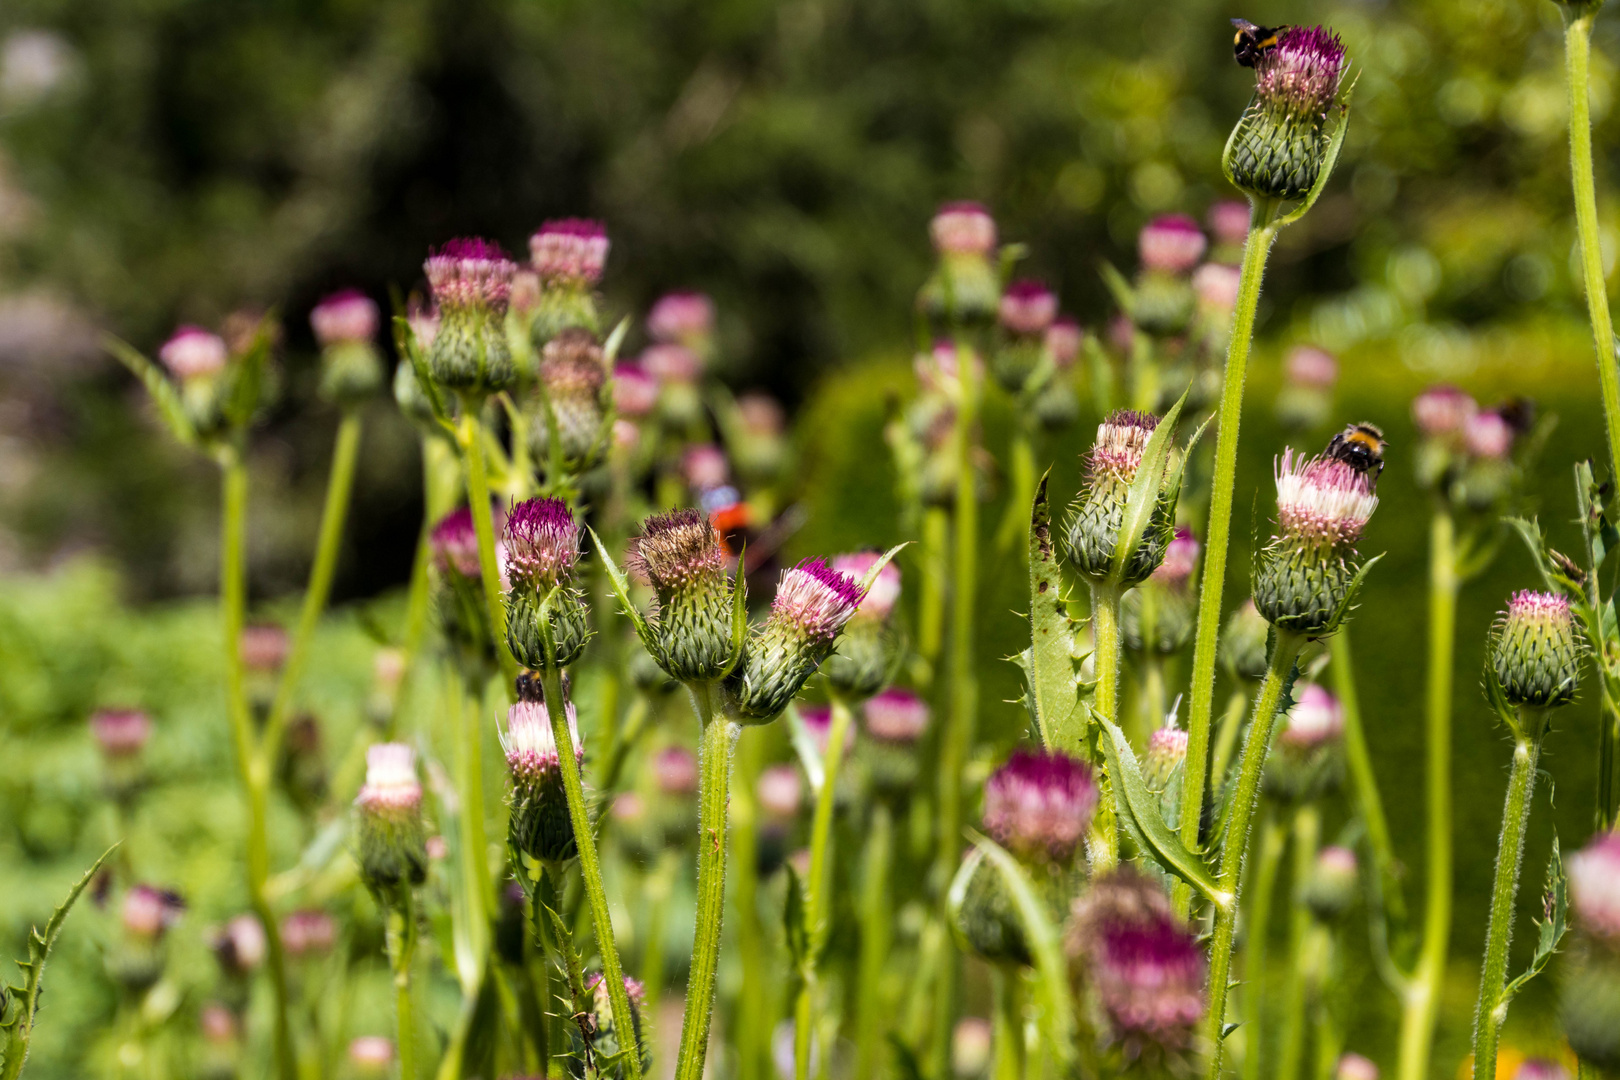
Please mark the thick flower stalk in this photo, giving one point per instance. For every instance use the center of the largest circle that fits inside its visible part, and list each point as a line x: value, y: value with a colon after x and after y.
x: 1534, y: 663
x: 472, y: 282
x: 1282, y: 144
x: 813, y: 604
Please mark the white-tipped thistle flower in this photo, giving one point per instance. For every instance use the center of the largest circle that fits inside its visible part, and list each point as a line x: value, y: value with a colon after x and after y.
x: 1305, y: 763
x: 471, y: 281
x: 568, y: 257
x: 546, y: 623
x: 813, y: 603
x: 1303, y: 578
x: 1038, y: 806
x: 1282, y: 142
x: 1169, y: 248
x: 1025, y: 315
x: 539, y: 826
x: 680, y: 556
x: 345, y: 326
x: 1098, y: 512
x: 1159, y: 615
x: 963, y: 288
x: 392, y: 839
x: 1535, y: 655
x: 868, y: 649
x: 198, y: 360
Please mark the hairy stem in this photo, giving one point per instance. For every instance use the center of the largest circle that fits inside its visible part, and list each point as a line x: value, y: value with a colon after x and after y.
x: 402, y: 947
x: 1358, y: 761
x: 590, y: 866
x: 819, y: 900
x: 875, y: 936
x: 1103, y: 843
x: 714, y: 766
x: 1307, y: 833
x: 1261, y: 233
x: 1284, y: 651
x: 470, y: 441
x: 1262, y: 886
x: 752, y: 1002
x: 1008, y: 1036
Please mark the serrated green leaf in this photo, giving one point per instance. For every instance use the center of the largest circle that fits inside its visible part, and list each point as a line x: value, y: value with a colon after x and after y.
x: 163, y: 392
x: 1143, y: 807
x: 1057, y: 1019
x: 1143, y: 495
x: 22, y: 1000
x: 1551, y: 929
x: 573, y: 969
x: 621, y: 589
x: 739, y: 614
x: 1053, y: 676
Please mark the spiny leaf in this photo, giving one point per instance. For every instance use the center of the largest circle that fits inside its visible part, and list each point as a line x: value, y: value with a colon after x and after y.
x: 739, y: 614
x: 621, y: 589
x: 1144, y: 490
x: 1052, y: 674
x: 1551, y: 930
x: 164, y: 394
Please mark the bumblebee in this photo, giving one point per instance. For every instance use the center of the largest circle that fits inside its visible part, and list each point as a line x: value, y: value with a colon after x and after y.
x: 1360, y: 446
x: 1252, y: 42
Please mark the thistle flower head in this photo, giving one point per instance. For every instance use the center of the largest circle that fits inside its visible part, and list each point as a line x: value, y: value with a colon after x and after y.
x: 1316, y: 720
x: 677, y: 550
x: 120, y: 733
x: 1534, y: 650
x: 671, y: 362
x: 1122, y: 439
x: 1540, y: 1069
x: 263, y: 647
x: 680, y: 555
x: 531, y: 751
x: 542, y: 543
x: 310, y: 931
x: 569, y: 251
x: 815, y: 600
x: 781, y: 792
x: 1039, y: 805
x: 1167, y: 749
x: 1355, y: 1067
x: 1594, y: 886
x: 705, y: 467
x: 1170, y: 244
x: 1180, y: 560
x: 1300, y: 77
x: 1063, y: 339
x: 454, y: 543
x: 423, y: 319
x: 635, y: 391
x: 371, y: 1055
x: 571, y: 364
x: 194, y: 353
x: 240, y: 944
x: 761, y: 414
x: 1322, y: 500
x: 1489, y: 435
x: 1281, y: 144
x: 1092, y: 531
x: 681, y: 317
x: 1141, y: 961
x: 1216, y: 285
x: 349, y: 315
x: 675, y: 771
x: 470, y: 273
x: 1442, y: 411
x: 963, y: 228
x: 1229, y: 221
x: 817, y: 721
x: 1309, y: 366
x: 606, y: 1039
x: 148, y: 912
x: 391, y: 786
x: 1028, y: 308
x: 884, y: 592
x: 895, y: 716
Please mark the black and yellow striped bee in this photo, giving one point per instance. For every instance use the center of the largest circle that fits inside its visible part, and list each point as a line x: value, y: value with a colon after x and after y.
x: 1360, y: 446
x: 1252, y: 42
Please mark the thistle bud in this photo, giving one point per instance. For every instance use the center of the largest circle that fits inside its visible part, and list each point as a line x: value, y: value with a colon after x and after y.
x: 1355, y: 1067
x: 1281, y: 143
x: 758, y: 441
x: 1304, y: 764
x: 568, y: 257
x: 1229, y: 221
x: 539, y: 825
x: 813, y: 603
x: 964, y: 287
x: 780, y: 792
x: 310, y: 932
x: 1056, y: 405
x: 1534, y: 651
x: 471, y: 281
x: 1594, y: 887
x: 573, y: 378
x: 197, y: 359
x: 1167, y: 749
x: 239, y: 946
x: 679, y: 554
x: 867, y: 651
x: 635, y: 391
x: 345, y: 326
x: 1026, y: 313
x: 1306, y: 398
x: 392, y: 839
x: 1303, y: 577
x: 607, y: 1042
x: 545, y: 616
x: 1589, y: 1008
x: 683, y: 318
x: 1243, y: 643
x: 1442, y: 412
x: 1140, y: 962
x: 1540, y: 1069
x: 458, y: 590
x: 1099, y: 510
x: 147, y: 915
x: 121, y: 735
x: 1160, y: 613
x: 1331, y: 888
x: 892, y: 722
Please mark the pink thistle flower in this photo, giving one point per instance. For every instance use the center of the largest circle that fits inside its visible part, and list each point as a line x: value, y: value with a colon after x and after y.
x: 1309, y: 366
x: 423, y: 319
x: 1322, y: 500
x: 194, y: 353
x: 240, y: 944
x: 1300, y: 77
x: 120, y: 733
x: 705, y: 467
x: 471, y: 273
x: 455, y: 544
x: 1028, y: 308
x: 1489, y: 435
x: 816, y: 600
x: 895, y: 716
x: 1229, y: 221
x: 761, y: 414
x: 1594, y: 885
x: 371, y: 1055
x: 1122, y: 439
x: 218, y: 1024
x: 1355, y: 1067
x: 569, y: 250
x: 681, y: 317
x: 818, y: 722
x: 1180, y: 560
x: 264, y: 647
x: 1039, y: 805
x: 308, y: 932
x: 391, y: 788
x: 542, y: 543
x: 349, y: 315
x: 531, y: 751
x: 1216, y: 286
x: 677, y: 549
x: 781, y: 792
x: 1171, y: 244
x: 1063, y: 339
x: 1442, y: 410
x: 1316, y: 719
x: 635, y: 391
x: 669, y: 362
x: 676, y: 771
x: 148, y: 912
x: 884, y: 592
x: 1540, y: 1069
x: 963, y: 228
x: 1144, y: 963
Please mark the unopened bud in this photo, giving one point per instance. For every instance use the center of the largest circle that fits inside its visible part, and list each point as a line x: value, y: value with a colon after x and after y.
x: 1331, y: 888
x: 964, y: 287
x: 345, y: 326
x: 679, y: 554
x: 573, y: 377
x: 812, y: 605
x: 1243, y: 643
x: 392, y: 849
x: 1534, y: 651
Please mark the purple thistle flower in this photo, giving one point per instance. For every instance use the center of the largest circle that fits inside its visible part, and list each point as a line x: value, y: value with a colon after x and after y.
x: 884, y: 592
x: 349, y: 315
x: 1309, y: 366
x: 1229, y: 221
x: 194, y: 353
x: 1180, y: 560
x: 635, y: 391
x: 1594, y: 886
x: 149, y: 912
x: 1540, y: 1069
x: 470, y: 272
x: 1442, y: 411
x: 681, y: 318
x: 455, y: 544
x: 816, y: 600
x: 1171, y: 244
x: 1039, y: 805
x: 818, y: 722
x: 1489, y: 435
x: 1028, y: 308
x: 1122, y: 439
x: 569, y: 251
x: 895, y: 716
x: 1300, y: 77
x: 676, y: 771
x: 1063, y: 340
x: 542, y: 543
x: 963, y: 228
x: 120, y: 733
x: 676, y: 550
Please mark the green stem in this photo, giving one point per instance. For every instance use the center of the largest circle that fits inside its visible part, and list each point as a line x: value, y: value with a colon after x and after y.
x: 1262, y: 232
x: 1358, y: 762
x: 470, y: 441
x: 402, y: 946
x: 329, y: 542
x: 1284, y: 651
x: 820, y: 881
x: 437, y: 500
x: 752, y: 1008
x: 660, y: 884
x: 875, y: 935
x: 931, y: 560
x: 1008, y: 1036
x: 714, y: 766
x: 1237, y: 706
x: 1492, y: 1008
x: 1577, y: 54
x: 1020, y: 494
x: 540, y: 972
x: 253, y: 768
x: 474, y: 832
x: 1262, y: 887
x: 1421, y: 1007
x: 1106, y: 643
x: 590, y: 867
x: 1307, y: 834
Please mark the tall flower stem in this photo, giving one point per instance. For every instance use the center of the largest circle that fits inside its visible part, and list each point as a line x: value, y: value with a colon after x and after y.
x: 1358, y: 763
x: 401, y: 949
x: 752, y: 1003
x: 329, y: 542
x: 1307, y: 834
x: 1262, y: 887
x: 1577, y: 57
x: 1284, y: 651
x: 875, y: 935
x: 1103, y: 844
x: 820, y: 881
x: 958, y: 735
x: 1421, y: 1006
x: 590, y: 867
x: 253, y: 767
x: 714, y: 770
x: 1262, y: 232
x: 470, y: 442
x: 438, y: 498
x: 1237, y: 706
x: 1008, y: 1035
x: 932, y: 558
x: 1491, y: 1009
